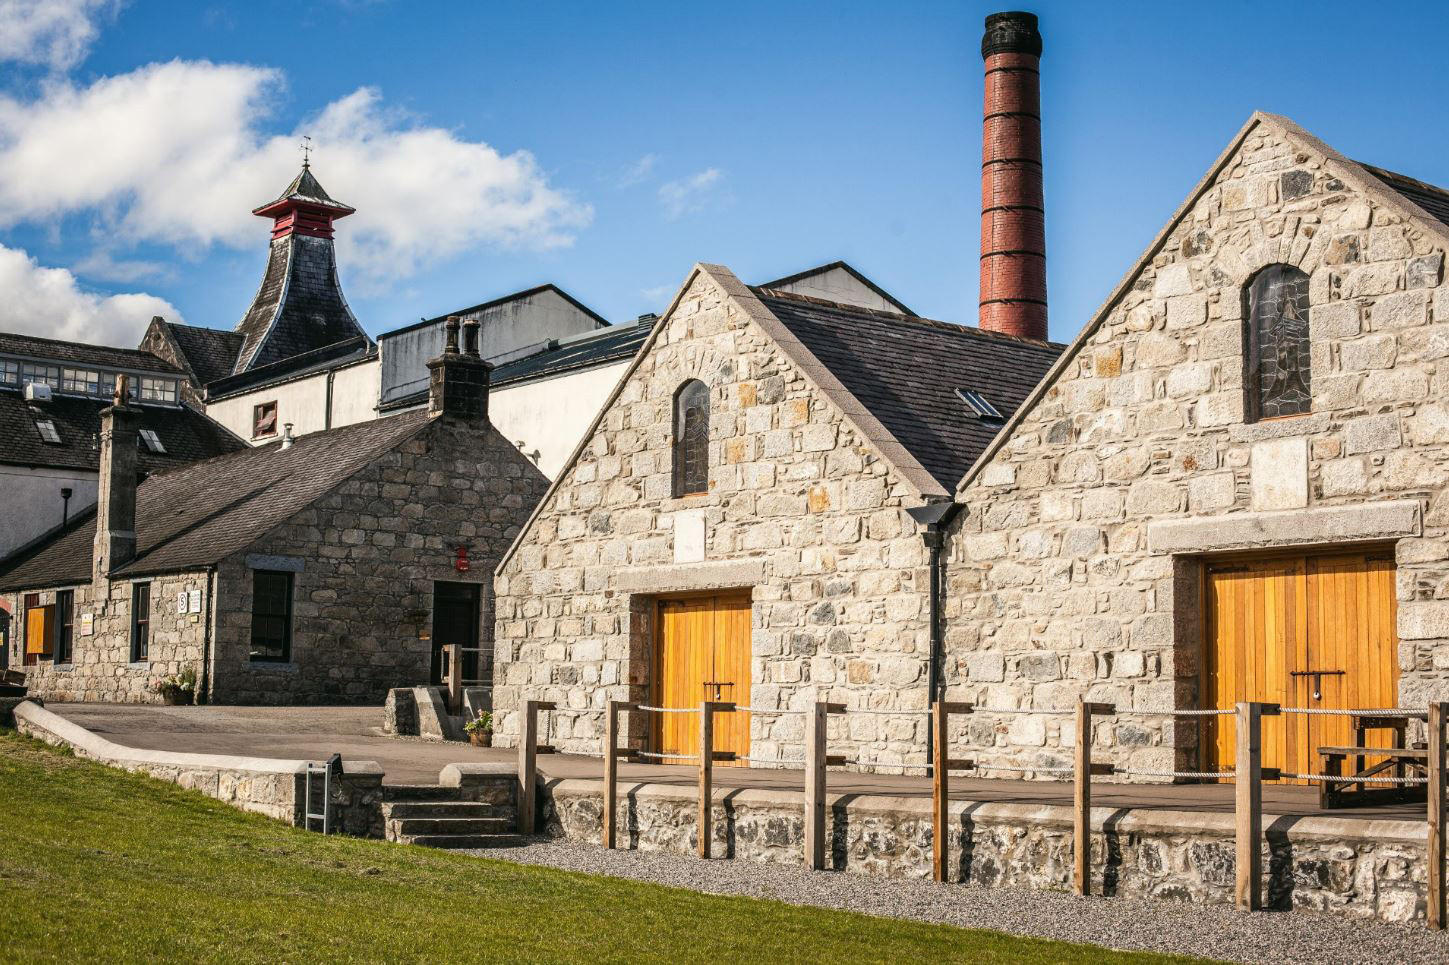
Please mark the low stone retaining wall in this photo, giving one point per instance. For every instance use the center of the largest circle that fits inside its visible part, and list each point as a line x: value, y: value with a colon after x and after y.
x: 275, y: 788
x: 1369, y: 868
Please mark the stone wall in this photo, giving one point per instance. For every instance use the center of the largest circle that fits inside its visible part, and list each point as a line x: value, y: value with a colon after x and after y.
x: 275, y: 788
x: 101, y: 667
x: 1074, y: 567
x: 800, y: 510
x: 365, y: 557
x: 1365, y: 868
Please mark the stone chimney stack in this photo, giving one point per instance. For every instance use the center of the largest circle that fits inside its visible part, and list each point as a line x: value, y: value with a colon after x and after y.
x: 458, y: 380
x: 1013, y: 224
x: 116, y: 503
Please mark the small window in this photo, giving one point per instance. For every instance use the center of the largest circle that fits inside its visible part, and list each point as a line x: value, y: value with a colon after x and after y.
x: 31, y: 374
x: 979, y: 404
x: 271, y: 616
x: 264, y: 420
x: 64, y: 625
x: 9, y: 372
x: 47, y: 431
x: 1278, y: 365
x: 140, y: 622
x: 691, y: 439
x: 157, y: 390
x: 152, y: 441
x: 80, y: 381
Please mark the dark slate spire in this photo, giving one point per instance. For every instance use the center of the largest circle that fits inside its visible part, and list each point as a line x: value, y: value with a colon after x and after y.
x: 299, y: 306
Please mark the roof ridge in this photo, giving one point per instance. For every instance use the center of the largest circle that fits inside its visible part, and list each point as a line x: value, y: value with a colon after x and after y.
x: 955, y: 328
x: 1425, y: 185
x: 75, y: 344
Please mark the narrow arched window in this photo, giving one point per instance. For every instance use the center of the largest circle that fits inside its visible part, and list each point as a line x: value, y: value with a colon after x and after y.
x: 691, y: 438
x: 1278, y: 370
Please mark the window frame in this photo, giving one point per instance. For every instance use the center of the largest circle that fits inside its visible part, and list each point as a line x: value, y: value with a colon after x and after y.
x: 1253, y: 404
x: 140, y: 622
x: 63, y: 651
x: 9, y: 372
x: 257, y: 411
x: 283, y: 652
x: 38, y: 373
x: 152, y: 389
x: 682, y: 442
x: 88, y: 380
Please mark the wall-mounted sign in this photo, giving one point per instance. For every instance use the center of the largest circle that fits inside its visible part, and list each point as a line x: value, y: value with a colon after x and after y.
x: 88, y: 624
x: 461, y: 563
x: 181, y: 603
x: 193, y: 601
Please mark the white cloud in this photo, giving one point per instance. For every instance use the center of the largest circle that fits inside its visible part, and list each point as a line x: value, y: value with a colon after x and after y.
x: 637, y: 172
x: 49, y: 302
x: 659, y: 292
x: 52, y: 33
x: 177, y: 153
x: 687, y: 195
x: 102, y: 265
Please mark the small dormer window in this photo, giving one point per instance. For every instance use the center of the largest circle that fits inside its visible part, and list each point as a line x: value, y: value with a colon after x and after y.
x: 264, y: 420
x: 47, y: 431
x: 80, y: 381
x: 979, y: 404
x: 9, y: 372
x: 152, y: 441
x: 157, y: 390
x: 33, y: 374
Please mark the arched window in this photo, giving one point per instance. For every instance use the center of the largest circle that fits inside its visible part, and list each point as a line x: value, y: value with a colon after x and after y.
x: 1278, y: 370
x: 691, y: 438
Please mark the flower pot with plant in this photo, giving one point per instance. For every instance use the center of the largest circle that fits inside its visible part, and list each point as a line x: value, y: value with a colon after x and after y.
x: 480, y: 729
x: 177, y: 688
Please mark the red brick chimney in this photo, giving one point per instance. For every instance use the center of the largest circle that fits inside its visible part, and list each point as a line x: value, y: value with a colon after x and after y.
x: 1013, y: 225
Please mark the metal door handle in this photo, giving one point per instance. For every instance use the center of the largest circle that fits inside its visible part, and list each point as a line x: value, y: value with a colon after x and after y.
x: 1317, y: 676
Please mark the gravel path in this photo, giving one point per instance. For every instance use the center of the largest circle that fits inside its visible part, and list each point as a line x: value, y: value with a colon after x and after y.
x: 1127, y: 923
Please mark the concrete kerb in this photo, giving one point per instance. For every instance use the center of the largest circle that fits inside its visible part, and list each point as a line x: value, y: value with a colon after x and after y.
x: 262, y: 785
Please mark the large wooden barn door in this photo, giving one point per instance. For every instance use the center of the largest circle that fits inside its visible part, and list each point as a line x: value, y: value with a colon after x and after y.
x: 703, y: 654
x: 1304, y: 631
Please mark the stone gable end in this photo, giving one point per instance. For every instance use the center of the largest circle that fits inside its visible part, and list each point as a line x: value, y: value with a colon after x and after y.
x: 1075, y: 567
x: 800, y: 511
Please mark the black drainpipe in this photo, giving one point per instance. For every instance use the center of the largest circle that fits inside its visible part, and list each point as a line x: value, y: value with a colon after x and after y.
x: 327, y: 418
x: 935, y: 518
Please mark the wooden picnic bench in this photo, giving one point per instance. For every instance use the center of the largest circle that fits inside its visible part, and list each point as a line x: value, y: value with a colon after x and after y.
x: 1396, y: 760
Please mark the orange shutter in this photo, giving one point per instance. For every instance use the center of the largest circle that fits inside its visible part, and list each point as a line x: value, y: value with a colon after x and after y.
x: 39, y: 627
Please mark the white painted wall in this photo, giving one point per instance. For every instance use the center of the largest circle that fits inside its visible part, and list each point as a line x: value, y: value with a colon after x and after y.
x: 838, y: 285
x: 303, y: 402
x: 31, y: 504
x: 551, y: 415
x: 502, y: 328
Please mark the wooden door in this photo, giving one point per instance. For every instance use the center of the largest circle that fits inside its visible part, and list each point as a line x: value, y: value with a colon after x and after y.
x: 703, y: 653
x: 1304, y: 631
x: 456, y: 617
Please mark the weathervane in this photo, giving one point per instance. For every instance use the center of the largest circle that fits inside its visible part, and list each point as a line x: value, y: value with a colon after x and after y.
x: 306, y: 151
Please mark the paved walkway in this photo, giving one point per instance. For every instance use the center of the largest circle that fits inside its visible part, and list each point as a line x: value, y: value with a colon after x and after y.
x: 314, y: 733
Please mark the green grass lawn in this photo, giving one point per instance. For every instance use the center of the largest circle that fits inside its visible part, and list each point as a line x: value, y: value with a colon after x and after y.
x: 97, y: 864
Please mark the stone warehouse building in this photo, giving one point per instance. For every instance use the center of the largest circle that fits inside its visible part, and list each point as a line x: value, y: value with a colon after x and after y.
x: 737, y: 521
x: 328, y: 568
x: 1231, y: 485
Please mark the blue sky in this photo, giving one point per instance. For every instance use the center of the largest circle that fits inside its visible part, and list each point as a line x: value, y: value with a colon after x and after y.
x: 765, y: 136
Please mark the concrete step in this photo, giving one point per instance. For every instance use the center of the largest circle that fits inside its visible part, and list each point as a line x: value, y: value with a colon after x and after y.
x: 460, y: 841
x: 445, y: 809
x: 418, y: 827
x: 419, y: 792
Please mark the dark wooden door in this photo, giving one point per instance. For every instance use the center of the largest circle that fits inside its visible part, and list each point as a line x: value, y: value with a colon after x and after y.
x: 456, y: 619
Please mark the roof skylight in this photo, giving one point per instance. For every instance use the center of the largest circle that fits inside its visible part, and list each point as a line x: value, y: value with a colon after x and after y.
x: 46, y: 428
x: 979, y: 404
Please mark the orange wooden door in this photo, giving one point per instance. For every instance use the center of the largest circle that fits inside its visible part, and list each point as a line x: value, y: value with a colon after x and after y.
x: 1302, y: 632
x: 1352, y: 645
x: 703, y: 653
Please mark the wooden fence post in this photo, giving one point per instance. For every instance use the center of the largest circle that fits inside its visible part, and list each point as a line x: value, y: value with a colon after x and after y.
x: 611, y: 767
x: 1082, y: 774
x: 455, y: 678
x: 706, y: 775
x: 817, y: 758
x: 940, y: 791
x: 1438, y: 715
x: 1248, y: 802
x: 528, y: 751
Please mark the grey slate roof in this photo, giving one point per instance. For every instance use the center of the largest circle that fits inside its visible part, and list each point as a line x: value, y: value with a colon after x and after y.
x: 186, y: 434
x: 210, y: 352
x: 199, y: 514
x: 307, y: 189
x: 845, y: 267
x: 299, y: 306
x: 905, y: 371
x: 1434, y: 200
x: 331, y: 356
x: 78, y: 353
